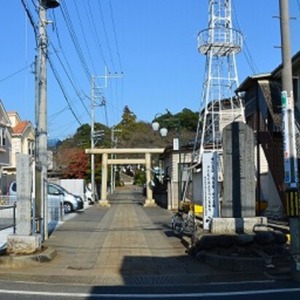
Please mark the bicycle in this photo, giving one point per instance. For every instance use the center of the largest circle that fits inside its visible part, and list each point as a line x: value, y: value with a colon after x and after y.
x: 183, y: 221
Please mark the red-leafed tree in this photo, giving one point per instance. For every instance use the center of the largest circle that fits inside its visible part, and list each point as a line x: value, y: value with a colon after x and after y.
x: 74, y: 163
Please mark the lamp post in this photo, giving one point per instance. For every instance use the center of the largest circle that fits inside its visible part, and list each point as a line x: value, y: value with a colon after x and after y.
x: 176, y: 146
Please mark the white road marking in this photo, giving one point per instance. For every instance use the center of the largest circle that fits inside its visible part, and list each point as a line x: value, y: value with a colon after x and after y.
x: 150, y: 296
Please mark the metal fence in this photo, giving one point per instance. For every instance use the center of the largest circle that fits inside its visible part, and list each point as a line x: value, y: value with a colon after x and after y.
x: 7, y: 213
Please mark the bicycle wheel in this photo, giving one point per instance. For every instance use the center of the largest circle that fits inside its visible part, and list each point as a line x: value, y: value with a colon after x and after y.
x: 177, y: 224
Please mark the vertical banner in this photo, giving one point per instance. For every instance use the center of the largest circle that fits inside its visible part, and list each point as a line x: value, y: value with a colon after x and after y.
x: 289, y: 141
x: 210, y: 187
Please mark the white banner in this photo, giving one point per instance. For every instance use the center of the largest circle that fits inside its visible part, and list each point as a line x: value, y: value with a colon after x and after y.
x: 289, y: 142
x: 210, y: 187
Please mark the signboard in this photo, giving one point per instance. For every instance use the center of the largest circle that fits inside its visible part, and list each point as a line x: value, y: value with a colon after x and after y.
x: 210, y: 187
x: 176, y: 144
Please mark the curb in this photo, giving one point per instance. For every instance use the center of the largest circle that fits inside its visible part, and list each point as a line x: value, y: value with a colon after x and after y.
x: 235, y: 264
x: 22, y: 260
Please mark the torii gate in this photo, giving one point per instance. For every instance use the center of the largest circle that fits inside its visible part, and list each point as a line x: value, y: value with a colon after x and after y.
x: 117, y: 161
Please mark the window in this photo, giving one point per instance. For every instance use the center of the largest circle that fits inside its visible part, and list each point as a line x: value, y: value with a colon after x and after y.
x: 30, y: 147
x: 295, y: 89
x: 2, y: 136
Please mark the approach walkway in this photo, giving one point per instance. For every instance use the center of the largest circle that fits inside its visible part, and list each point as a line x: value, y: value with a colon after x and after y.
x: 126, y: 244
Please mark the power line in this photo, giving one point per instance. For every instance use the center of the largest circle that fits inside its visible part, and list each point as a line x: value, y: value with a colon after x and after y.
x: 247, y: 53
x: 94, y: 31
x: 15, y: 73
x: 106, y: 36
x: 115, y: 35
x: 70, y: 79
x: 84, y: 37
x: 63, y: 89
x: 31, y: 20
x: 74, y: 38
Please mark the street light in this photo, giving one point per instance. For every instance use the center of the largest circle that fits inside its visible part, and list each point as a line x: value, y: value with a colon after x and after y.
x: 155, y: 126
x: 176, y: 146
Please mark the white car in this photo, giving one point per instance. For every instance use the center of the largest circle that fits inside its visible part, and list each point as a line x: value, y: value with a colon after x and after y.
x: 56, y: 193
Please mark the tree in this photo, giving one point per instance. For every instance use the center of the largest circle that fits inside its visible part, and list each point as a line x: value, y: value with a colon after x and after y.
x: 128, y: 118
x: 73, y: 163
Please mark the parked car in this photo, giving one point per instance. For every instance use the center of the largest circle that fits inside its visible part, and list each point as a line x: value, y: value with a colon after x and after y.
x: 57, y: 193
x: 71, y: 202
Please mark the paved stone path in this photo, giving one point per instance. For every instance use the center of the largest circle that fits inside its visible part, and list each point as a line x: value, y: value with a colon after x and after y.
x: 126, y: 244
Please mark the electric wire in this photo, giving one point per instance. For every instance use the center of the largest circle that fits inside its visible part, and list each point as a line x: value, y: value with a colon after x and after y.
x: 74, y: 38
x: 91, y: 20
x: 55, y: 73
x: 66, y: 65
x: 106, y: 36
x: 15, y: 73
x: 115, y: 35
x: 31, y: 20
x: 247, y: 53
x: 84, y: 37
x: 61, y: 57
x: 70, y: 79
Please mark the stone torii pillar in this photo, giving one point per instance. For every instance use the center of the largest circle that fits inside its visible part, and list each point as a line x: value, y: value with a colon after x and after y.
x: 149, y: 200
x: 103, y: 201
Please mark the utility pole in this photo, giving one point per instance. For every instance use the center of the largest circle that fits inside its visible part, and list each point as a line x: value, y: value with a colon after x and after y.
x: 94, y: 96
x: 41, y: 116
x: 290, y: 151
x: 112, y: 170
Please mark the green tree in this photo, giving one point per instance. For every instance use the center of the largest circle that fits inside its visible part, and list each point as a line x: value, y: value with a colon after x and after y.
x: 128, y: 118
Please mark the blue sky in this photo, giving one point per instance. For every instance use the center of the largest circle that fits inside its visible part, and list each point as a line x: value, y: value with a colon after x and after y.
x: 153, y: 43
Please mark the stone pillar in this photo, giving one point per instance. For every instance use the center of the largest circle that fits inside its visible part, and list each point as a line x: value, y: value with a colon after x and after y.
x: 24, y: 241
x: 104, y: 201
x: 239, y: 173
x: 149, y: 200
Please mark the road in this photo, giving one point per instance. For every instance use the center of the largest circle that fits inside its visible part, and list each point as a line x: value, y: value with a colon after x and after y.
x: 237, y: 291
x: 127, y: 251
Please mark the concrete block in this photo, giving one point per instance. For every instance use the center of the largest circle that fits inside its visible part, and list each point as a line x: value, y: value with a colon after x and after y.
x: 235, y: 225
x: 104, y: 203
x: 23, y: 244
x: 150, y: 202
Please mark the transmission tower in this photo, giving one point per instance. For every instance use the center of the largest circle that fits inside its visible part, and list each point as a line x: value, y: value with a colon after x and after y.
x: 220, y: 42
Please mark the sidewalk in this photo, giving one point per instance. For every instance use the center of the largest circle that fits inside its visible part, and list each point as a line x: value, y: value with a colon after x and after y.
x: 127, y: 244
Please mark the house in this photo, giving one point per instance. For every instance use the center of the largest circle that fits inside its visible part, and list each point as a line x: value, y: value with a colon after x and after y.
x: 5, y: 144
x: 22, y: 141
x: 168, y: 192
x: 262, y: 99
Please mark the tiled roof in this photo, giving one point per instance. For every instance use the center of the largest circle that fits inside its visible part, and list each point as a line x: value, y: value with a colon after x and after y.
x: 20, y: 127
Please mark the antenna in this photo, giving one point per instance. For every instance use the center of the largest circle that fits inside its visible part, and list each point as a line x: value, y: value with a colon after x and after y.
x: 220, y: 43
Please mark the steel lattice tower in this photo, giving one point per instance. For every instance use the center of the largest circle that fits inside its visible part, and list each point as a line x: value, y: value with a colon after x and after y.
x: 220, y: 43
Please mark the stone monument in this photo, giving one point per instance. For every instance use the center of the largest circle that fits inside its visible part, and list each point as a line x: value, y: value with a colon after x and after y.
x: 238, y: 203
x: 24, y: 241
